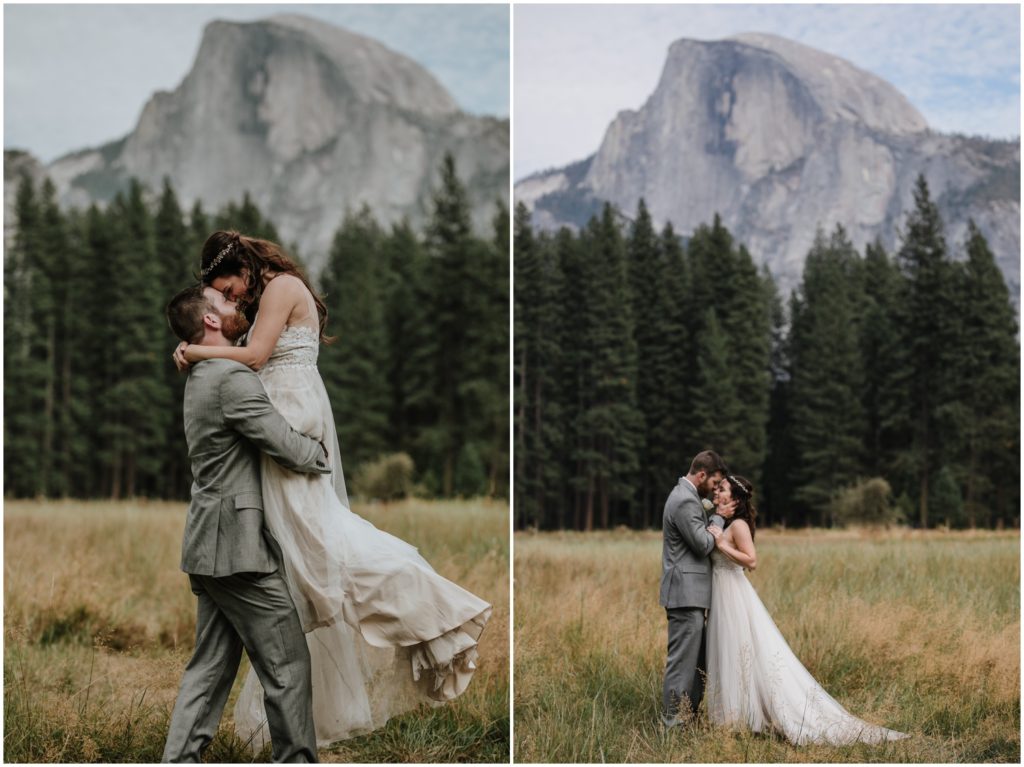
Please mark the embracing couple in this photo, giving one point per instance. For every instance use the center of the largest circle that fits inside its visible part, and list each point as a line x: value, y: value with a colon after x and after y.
x: 721, y: 636
x: 345, y: 625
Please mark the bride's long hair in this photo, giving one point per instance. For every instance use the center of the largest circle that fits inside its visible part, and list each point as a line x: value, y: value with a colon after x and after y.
x: 228, y: 252
x: 743, y: 493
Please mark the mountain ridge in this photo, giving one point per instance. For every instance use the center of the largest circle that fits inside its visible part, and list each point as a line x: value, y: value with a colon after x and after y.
x: 312, y: 121
x: 781, y: 139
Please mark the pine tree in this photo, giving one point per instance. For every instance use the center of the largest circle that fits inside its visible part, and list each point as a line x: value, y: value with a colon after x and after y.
x: 723, y: 276
x: 780, y: 457
x: 716, y: 405
x: 674, y: 437
x: 174, y: 254
x: 609, y: 426
x: 880, y: 338
x: 22, y: 374
x: 570, y: 326
x: 827, y: 422
x: 450, y: 248
x: 928, y: 341
x: 52, y: 299
x: 988, y: 365
x: 655, y: 337
x: 406, y: 311
x: 528, y: 382
x: 138, y: 414
x: 353, y: 367
x: 247, y: 219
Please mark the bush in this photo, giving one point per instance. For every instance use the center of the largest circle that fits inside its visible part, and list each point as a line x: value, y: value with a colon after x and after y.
x: 387, y: 478
x: 867, y: 502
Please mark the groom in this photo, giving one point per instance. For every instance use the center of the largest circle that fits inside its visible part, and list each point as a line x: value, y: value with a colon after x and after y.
x: 686, y: 584
x: 228, y: 553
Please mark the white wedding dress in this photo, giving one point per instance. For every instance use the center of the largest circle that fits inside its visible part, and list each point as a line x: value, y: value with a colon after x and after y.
x: 755, y: 681
x: 385, y: 631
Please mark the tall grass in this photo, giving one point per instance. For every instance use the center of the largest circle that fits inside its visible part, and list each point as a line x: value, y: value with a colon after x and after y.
x: 919, y: 632
x: 99, y: 623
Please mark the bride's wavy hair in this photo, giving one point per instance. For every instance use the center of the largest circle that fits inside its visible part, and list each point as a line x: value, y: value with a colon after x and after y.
x: 743, y: 493
x: 228, y: 252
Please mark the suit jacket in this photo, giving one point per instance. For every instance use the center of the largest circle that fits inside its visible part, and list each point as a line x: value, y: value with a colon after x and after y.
x: 228, y: 421
x: 685, y: 567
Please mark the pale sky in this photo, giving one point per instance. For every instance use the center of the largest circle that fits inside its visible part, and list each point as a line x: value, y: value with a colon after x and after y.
x: 77, y: 76
x: 577, y: 66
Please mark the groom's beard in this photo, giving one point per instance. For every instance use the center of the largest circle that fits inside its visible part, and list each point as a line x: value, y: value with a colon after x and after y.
x: 233, y: 325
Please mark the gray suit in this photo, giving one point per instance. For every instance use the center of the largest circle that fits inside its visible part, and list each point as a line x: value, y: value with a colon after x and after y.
x: 230, y: 558
x: 685, y: 594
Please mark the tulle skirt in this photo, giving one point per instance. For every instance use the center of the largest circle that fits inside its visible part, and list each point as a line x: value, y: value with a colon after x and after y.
x: 385, y: 631
x: 755, y: 681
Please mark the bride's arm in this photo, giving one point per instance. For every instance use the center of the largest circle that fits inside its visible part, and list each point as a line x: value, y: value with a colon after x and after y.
x: 741, y: 549
x: 279, y: 299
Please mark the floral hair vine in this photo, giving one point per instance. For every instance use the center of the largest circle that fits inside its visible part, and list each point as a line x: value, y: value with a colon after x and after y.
x: 218, y: 258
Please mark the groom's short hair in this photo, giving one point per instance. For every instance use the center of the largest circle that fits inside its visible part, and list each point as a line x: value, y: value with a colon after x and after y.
x: 185, y: 313
x: 708, y: 461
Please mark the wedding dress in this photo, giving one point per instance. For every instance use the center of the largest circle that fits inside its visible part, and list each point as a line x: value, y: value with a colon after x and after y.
x: 756, y: 682
x: 385, y: 631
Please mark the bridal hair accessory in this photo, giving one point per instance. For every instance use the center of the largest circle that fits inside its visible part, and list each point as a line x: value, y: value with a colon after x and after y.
x: 736, y: 483
x: 218, y: 258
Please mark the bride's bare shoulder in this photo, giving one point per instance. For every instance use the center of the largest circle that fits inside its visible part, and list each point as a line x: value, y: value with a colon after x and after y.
x: 285, y: 282
x: 741, y: 527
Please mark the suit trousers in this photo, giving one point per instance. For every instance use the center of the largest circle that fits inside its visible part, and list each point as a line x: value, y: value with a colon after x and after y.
x: 684, y: 667
x: 254, y: 611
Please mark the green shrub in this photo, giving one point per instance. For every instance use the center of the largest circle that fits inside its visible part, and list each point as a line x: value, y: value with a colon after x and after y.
x: 867, y: 502
x: 387, y: 478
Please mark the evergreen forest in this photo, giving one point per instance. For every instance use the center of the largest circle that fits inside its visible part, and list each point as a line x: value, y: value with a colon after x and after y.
x: 634, y: 350
x: 93, y: 403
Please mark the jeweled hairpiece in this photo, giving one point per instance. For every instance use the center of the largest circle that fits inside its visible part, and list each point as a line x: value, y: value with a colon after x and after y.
x: 218, y: 258
x: 736, y: 483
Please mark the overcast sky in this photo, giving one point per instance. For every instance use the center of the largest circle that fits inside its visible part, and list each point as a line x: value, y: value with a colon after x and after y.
x: 79, y: 75
x: 576, y: 66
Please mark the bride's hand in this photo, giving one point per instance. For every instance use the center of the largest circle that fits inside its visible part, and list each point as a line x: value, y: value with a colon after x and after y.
x: 180, y: 361
x: 716, y: 532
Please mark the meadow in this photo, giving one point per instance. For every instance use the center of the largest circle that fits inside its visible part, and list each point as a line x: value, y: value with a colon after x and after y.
x: 99, y: 623
x: 917, y: 631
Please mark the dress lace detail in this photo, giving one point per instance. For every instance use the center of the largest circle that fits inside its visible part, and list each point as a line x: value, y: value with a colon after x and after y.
x: 756, y: 682
x: 385, y: 631
x: 297, y: 347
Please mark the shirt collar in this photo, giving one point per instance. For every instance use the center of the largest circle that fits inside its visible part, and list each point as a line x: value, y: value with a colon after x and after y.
x: 691, y: 485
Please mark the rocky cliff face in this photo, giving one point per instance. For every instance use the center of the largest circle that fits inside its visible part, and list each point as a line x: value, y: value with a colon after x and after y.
x: 311, y: 120
x: 781, y: 139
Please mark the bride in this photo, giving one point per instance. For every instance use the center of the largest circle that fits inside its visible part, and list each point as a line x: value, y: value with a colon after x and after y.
x: 754, y: 679
x: 385, y: 631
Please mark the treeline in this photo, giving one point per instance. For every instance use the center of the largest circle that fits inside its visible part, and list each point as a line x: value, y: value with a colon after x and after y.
x: 633, y: 352
x: 93, y: 404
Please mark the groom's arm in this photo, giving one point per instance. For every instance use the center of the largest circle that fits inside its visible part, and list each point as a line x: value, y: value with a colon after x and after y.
x: 689, y: 521
x: 249, y: 411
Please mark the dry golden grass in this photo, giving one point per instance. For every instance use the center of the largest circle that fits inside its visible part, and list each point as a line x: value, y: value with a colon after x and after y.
x: 99, y: 623
x: 919, y: 631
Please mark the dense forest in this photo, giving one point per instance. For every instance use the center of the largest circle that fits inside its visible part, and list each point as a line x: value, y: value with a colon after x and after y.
x: 93, y: 403
x: 633, y: 351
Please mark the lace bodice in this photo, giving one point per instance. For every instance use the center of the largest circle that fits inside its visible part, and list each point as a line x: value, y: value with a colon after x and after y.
x: 297, y: 347
x: 721, y: 562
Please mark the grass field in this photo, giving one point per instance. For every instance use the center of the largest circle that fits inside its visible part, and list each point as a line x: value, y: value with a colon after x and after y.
x: 918, y: 631
x: 99, y: 623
